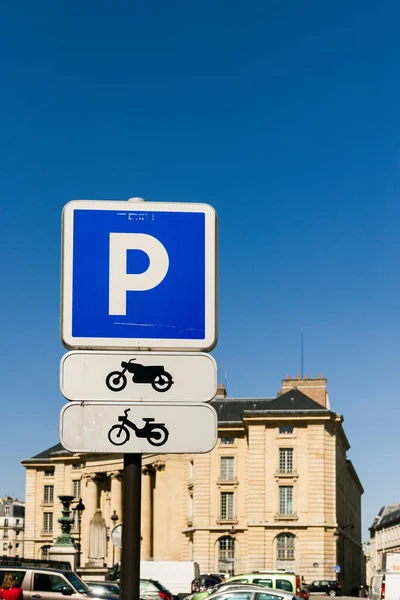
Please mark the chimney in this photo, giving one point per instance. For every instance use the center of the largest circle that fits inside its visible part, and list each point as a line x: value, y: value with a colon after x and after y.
x: 314, y: 388
x: 221, y: 391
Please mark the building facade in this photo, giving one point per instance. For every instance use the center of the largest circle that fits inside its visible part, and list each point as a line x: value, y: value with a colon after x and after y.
x: 12, y: 515
x: 277, y: 492
x: 384, y: 538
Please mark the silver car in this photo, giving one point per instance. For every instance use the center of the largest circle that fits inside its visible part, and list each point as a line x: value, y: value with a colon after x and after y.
x: 249, y: 592
x: 51, y: 584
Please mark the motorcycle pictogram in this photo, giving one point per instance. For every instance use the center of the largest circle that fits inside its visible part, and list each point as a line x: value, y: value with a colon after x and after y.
x: 156, y: 375
x: 156, y: 433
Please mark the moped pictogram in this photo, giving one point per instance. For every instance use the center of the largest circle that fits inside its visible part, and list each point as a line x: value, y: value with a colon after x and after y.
x: 155, y: 433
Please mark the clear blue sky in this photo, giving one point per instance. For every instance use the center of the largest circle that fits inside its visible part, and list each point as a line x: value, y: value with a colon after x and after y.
x: 285, y: 117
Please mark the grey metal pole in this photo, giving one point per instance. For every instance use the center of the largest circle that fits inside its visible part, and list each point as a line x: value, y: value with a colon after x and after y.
x: 130, y: 552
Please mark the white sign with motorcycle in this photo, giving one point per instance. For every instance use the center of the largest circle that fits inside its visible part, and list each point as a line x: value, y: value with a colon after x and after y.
x: 144, y: 427
x: 145, y: 376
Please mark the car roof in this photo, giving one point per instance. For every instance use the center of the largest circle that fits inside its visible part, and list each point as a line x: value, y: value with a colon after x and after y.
x: 262, y: 573
x: 33, y: 568
x: 235, y: 584
x: 101, y: 582
x: 253, y: 588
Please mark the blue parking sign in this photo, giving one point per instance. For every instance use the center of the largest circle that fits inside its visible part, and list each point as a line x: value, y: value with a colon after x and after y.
x: 139, y: 275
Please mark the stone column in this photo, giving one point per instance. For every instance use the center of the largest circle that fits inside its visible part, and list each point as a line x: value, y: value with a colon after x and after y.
x: 90, y: 498
x: 114, y: 553
x: 147, y: 515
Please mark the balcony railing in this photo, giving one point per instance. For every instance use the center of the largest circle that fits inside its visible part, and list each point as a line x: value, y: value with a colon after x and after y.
x: 286, y: 516
x: 286, y: 473
x: 226, y: 481
x: 231, y: 519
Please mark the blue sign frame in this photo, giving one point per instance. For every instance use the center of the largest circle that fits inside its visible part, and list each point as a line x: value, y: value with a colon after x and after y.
x: 139, y: 275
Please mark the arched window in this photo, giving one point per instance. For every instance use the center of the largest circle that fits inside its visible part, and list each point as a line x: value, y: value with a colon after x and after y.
x: 45, y: 552
x: 285, y: 558
x: 226, y: 555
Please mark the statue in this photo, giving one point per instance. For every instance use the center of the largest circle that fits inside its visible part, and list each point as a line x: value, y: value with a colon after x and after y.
x: 97, y: 540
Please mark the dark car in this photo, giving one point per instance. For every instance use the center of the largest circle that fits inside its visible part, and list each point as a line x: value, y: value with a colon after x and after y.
x: 204, y: 582
x: 325, y: 586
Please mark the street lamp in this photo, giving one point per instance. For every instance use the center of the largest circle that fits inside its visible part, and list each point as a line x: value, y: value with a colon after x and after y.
x: 9, y: 549
x: 79, y: 508
x: 114, y: 518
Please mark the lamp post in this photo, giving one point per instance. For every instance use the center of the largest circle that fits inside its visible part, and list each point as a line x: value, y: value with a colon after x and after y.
x: 114, y: 518
x: 9, y: 549
x: 79, y: 508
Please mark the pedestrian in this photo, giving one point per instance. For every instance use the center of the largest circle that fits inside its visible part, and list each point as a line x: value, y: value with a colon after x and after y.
x: 10, y: 588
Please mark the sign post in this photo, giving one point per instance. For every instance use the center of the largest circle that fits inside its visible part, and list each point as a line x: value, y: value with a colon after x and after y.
x: 138, y: 313
x: 130, y: 554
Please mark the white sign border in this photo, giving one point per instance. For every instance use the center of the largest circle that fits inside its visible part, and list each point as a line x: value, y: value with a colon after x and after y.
x: 144, y: 354
x: 211, y: 292
x: 151, y: 405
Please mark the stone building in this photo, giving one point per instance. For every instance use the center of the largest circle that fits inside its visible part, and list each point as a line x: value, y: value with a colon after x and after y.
x: 278, y: 491
x: 12, y: 514
x: 384, y: 538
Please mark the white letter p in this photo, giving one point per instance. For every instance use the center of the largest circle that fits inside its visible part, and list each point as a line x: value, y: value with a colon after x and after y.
x: 120, y: 281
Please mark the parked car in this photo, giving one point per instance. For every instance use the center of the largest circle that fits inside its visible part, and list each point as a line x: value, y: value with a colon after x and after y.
x: 223, y: 586
x: 52, y: 584
x: 325, y: 586
x: 280, y: 580
x: 252, y: 592
x: 150, y: 589
x: 103, y: 588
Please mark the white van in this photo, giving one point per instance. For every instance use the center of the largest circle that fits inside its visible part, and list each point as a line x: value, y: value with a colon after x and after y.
x: 385, y: 586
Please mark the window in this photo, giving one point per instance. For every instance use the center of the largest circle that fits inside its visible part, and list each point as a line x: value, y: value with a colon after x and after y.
x: 49, y: 473
x: 48, y: 494
x: 17, y: 533
x: 75, y: 524
x: 17, y: 545
x: 5, y: 534
x: 48, y: 522
x: 45, y: 552
x: 190, y: 507
x: 286, y: 499
x: 5, y: 546
x: 5, y: 522
x: 286, y: 429
x: 227, y: 440
x: 44, y: 582
x: 237, y: 595
x: 18, y: 574
x: 262, y: 581
x: 285, y: 548
x: 7, y: 510
x: 227, y: 468
x: 76, y: 466
x: 76, y: 488
x: 17, y: 521
x: 265, y: 596
x: 284, y: 584
x: 286, y: 460
x: 226, y: 555
x: 227, y: 505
